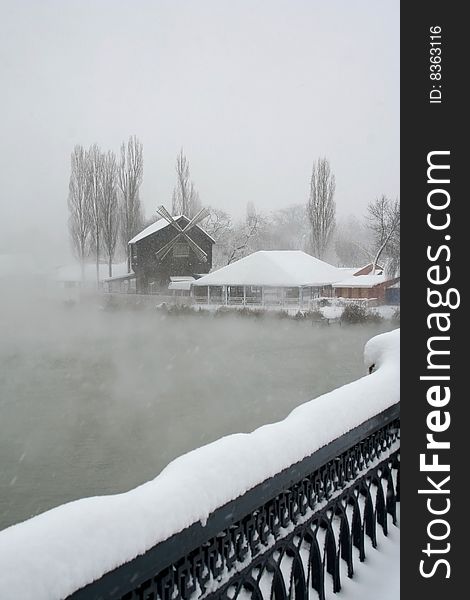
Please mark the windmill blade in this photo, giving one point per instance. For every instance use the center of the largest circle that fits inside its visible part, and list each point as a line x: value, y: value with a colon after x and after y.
x: 202, y: 256
x: 202, y: 214
x: 197, y: 250
x: 167, y: 247
x: 164, y: 251
x: 162, y: 211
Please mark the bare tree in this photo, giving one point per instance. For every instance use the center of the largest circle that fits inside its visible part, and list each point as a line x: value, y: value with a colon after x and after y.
x: 251, y: 213
x: 321, y: 206
x: 80, y: 222
x: 130, y: 174
x: 242, y: 240
x: 352, y: 242
x: 384, y: 221
x: 95, y: 176
x: 185, y: 199
x: 287, y: 229
x: 217, y: 224
x: 109, y: 208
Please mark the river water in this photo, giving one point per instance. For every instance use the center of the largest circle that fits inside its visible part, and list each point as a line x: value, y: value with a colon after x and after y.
x: 97, y: 402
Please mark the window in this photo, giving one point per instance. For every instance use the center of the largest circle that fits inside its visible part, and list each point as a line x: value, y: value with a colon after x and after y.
x: 292, y: 292
x: 181, y: 250
x: 200, y: 291
x: 236, y: 291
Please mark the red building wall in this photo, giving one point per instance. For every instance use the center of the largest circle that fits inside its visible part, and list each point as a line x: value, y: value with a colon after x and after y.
x: 360, y: 293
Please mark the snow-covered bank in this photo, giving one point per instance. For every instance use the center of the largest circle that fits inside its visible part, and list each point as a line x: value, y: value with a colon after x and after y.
x: 60, y: 551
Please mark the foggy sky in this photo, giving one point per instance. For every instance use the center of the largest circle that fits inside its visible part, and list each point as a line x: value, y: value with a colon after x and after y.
x: 253, y: 91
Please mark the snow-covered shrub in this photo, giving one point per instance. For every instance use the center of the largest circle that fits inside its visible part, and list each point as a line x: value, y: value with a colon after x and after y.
x: 110, y: 303
x: 354, y: 313
x: 358, y: 313
x: 374, y: 316
x: 281, y: 314
x: 223, y: 310
x: 396, y: 315
x: 314, y: 315
x: 240, y: 312
x: 251, y: 312
x: 179, y: 309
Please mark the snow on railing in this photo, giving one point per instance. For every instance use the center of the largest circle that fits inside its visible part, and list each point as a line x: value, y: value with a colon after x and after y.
x: 52, y: 555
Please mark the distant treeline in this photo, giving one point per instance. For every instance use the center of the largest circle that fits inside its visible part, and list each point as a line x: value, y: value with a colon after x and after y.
x: 106, y: 212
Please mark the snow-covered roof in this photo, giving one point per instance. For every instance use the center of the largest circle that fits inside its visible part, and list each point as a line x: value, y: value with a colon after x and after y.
x: 182, y: 278
x: 131, y: 275
x: 362, y: 281
x: 181, y: 283
x: 348, y: 270
x: 159, y: 225
x: 369, y: 264
x: 74, y: 272
x: 276, y: 268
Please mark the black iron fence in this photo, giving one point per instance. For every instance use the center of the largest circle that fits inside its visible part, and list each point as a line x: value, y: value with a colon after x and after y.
x: 298, y: 532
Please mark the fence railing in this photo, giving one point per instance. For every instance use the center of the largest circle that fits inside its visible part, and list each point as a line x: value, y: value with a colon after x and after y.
x: 254, y: 302
x: 301, y: 530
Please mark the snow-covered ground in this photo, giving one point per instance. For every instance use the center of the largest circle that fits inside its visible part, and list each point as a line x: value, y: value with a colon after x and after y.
x: 378, y: 577
x: 336, y: 310
x: 55, y: 553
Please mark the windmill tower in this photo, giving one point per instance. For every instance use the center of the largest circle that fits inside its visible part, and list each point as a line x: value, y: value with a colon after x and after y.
x: 173, y: 246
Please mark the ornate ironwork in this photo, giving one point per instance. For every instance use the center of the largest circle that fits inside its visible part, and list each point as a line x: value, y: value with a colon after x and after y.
x: 299, y: 532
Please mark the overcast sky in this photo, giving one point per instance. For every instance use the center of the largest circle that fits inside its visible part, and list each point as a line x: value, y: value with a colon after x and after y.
x: 253, y: 91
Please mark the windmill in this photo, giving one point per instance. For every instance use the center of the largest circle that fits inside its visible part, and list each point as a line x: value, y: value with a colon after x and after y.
x: 182, y: 234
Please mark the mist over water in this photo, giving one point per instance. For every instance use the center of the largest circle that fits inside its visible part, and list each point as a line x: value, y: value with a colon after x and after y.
x: 97, y: 402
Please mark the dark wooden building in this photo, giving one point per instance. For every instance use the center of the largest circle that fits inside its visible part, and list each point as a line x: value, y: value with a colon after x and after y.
x: 153, y: 272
